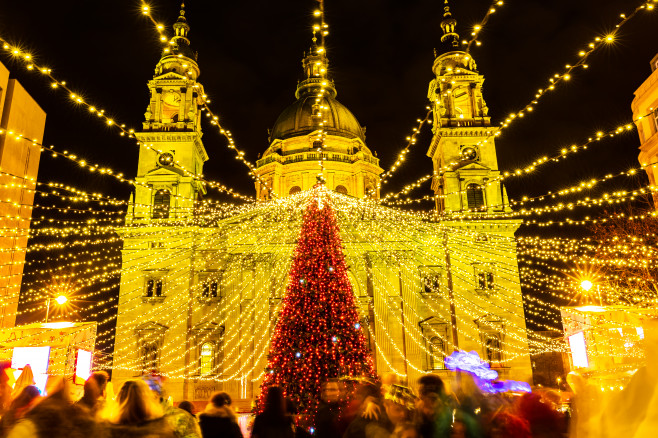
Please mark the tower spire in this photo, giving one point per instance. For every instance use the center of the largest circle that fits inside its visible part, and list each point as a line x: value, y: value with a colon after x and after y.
x: 181, y: 28
x: 316, y: 63
x: 450, y: 38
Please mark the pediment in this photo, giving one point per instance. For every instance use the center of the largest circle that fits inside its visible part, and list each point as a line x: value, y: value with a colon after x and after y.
x: 170, y: 76
x: 164, y: 171
x: 151, y: 326
x: 473, y: 165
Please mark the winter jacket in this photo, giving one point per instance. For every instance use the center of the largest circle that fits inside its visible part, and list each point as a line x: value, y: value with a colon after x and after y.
x: 158, y: 428
x: 183, y: 423
x: 266, y: 426
x: 55, y: 417
x: 219, y: 423
x: 327, y: 421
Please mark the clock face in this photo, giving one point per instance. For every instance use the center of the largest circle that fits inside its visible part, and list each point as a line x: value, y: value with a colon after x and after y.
x: 166, y: 159
x: 469, y: 153
x: 171, y: 98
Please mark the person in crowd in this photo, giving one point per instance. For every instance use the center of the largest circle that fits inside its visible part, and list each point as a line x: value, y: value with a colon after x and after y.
x: 399, y: 403
x: 273, y: 422
x: 137, y: 414
x: 327, y: 418
x: 5, y: 389
x: 218, y: 419
x: 544, y: 420
x: 28, y: 398
x: 94, y: 393
x: 56, y: 416
x: 184, y: 425
x: 25, y: 379
x: 406, y: 430
x: 187, y: 406
x: 370, y: 415
x: 291, y: 409
x: 433, y: 410
x: 506, y: 425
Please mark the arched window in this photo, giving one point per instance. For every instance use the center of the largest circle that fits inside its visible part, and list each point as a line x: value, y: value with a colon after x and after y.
x: 207, y: 358
x: 161, y: 204
x: 150, y: 357
x: 493, y: 350
x: 294, y: 189
x: 474, y: 196
x: 342, y: 190
x: 437, y: 352
x: 174, y: 118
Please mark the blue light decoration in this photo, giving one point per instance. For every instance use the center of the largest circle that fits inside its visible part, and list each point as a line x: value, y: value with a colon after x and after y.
x: 470, y: 362
x: 483, y: 376
x: 357, y: 326
x: 334, y: 339
x: 298, y: 354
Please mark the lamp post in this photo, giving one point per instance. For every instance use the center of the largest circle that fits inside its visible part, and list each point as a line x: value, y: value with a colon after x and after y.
x: 59, y: 300
x: 586, y: 285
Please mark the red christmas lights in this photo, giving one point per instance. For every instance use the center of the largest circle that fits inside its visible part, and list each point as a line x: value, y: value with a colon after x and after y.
x: 318, y: 335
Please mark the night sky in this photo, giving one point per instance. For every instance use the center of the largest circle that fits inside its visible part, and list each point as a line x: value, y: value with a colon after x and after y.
x: 381, y: 57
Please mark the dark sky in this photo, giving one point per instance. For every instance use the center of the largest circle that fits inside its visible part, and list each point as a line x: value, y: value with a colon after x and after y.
x: 381, y: 57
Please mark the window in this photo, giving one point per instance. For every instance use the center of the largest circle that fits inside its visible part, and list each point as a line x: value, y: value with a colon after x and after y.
x: 341, y: 189
x: 210, y: 288
x: 493, y: 348
x: 492, y: 332
x: 161, y: 204
x: 207, y: 358
x: 294, y: 189
x: 436, y: 332
x: 431, y: 283
x: 474, y: 196
x: 317, y: 144
x: 485, y: 280
x: 153, y: 287
x: 150, y: 356
x: 431, y: 279
x: 437, y: 353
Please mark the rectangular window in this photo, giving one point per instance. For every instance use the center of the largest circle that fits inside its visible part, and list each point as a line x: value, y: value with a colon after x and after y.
x: 154, y: 287
x: 431, y: 278
x: 485, y: 278
x: 211, y: 284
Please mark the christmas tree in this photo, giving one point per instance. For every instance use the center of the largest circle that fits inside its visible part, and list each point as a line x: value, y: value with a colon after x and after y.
x: 318, y: 335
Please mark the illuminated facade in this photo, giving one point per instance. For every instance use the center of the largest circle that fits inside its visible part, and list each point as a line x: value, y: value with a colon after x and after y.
x: 645, y: 105
x: 198, y: 302
x: 19, y: 161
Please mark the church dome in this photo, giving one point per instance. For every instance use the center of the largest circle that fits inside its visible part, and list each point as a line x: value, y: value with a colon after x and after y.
x: 298, y: 119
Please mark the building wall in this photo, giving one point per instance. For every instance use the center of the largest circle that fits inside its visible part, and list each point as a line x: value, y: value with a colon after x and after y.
x: 19, y: 162
x: 251, y: 258
x: 645, y: 103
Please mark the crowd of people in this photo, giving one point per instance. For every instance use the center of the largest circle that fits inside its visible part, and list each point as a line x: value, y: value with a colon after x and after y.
x: 365, y: 409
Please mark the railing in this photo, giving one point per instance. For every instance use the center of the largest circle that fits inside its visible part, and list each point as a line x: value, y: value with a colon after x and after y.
x: 315, y: 156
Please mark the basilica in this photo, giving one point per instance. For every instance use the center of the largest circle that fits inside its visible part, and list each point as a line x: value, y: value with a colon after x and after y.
x: 201, y: 285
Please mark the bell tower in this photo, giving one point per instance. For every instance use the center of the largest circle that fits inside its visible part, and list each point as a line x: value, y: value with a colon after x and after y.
x: 462, y: 149
x: 171, y: 153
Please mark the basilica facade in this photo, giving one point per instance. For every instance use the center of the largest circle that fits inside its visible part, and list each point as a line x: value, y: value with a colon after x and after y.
x: 199, y: 296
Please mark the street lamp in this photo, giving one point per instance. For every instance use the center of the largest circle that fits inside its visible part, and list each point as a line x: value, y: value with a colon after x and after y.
x: 59, y: 300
